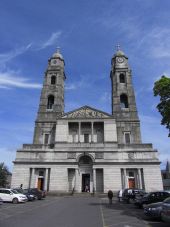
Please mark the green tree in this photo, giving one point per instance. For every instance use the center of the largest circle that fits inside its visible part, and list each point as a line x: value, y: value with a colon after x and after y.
x: 162, y: 89
x: 3, y: 174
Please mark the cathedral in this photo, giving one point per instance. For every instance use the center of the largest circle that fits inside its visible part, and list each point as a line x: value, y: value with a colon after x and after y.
x: 87, y: 149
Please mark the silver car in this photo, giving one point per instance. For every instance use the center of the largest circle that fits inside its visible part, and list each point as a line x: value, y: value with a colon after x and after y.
x: 10, y: 195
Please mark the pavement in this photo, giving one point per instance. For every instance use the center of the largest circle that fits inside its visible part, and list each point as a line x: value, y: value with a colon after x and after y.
x: 76, y: 211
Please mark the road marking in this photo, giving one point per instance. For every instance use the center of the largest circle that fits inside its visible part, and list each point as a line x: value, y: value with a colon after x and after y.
x: 101, y: 210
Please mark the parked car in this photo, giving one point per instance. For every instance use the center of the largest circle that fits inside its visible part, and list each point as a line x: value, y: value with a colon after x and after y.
x: 132, y: 193
x: 10, y: 195
x: 155, y: 210
x: 29, y: 196
x: 165, y: 214
x: 152, y: 197
x: 1, y: 201
x: 38, y: 193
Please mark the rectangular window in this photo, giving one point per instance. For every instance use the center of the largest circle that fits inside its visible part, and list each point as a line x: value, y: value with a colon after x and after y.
x: 46, y: 138
x: 127, y: 137
x: 86, y: 138
x: 131, y: 174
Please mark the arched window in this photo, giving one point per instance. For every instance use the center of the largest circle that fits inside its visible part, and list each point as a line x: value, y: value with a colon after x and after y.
x: 124, y: 101
x: 53, y: 79
x: 122, y: 78
x: 85, y: 160
x: 50, y: 102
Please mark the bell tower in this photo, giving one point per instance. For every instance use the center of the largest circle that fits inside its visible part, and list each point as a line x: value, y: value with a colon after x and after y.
x: 51, y: 101
x: 123, y: 100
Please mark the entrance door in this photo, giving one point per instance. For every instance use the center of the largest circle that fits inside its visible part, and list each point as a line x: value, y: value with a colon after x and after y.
x: 86, y: 182
x: 131, y: 182
x: 40, y: 183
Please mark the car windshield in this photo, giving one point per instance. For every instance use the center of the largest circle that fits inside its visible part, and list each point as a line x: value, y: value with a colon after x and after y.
x: 18, y: 190
x: 14, y: 191
x: 167, y: 200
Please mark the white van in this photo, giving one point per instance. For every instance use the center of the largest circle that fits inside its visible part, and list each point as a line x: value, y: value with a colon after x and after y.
x: 10, y: 195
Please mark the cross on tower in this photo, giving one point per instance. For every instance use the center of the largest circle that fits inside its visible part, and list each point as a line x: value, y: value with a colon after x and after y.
x: 58, y: 49
x: 118, y: 47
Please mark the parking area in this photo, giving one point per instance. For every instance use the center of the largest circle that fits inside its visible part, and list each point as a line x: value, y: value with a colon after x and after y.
x: 76, y: 211
x: 10, y: 210
x: 126, y: 215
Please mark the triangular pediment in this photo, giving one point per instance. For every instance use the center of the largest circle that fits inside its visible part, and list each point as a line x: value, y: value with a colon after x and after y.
x: 87, y: 112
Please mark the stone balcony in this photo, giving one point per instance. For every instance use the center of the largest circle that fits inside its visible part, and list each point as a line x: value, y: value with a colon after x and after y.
x: 87, y: 146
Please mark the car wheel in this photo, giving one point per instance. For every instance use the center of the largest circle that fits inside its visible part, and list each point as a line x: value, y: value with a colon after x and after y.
x: 15, y: 200
x: 161, y: 216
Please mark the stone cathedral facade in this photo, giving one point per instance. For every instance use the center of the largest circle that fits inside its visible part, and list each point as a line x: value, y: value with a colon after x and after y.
x: 87, y: 148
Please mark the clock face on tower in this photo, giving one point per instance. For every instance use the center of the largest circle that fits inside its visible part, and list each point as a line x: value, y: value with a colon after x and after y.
x: 54, y: 62
x: 120, y: 59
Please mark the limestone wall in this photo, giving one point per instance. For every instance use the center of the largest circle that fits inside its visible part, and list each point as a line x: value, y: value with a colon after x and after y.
x: 152, y: 178
x: 20, y: 175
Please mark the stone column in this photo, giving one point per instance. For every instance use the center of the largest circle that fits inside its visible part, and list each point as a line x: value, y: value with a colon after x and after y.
x: 124, y: 176
x: 79, y: 129
x: 46, y: 179
x: 139, y: 179
x: 30, y: 178
x: 33, y: 178
x: 94, y: 180
x: 92, y: 137
x: 76, y: 186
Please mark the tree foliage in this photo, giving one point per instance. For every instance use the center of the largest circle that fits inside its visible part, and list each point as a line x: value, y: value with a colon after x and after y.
x: 162, y: 89
x: 4, y: 172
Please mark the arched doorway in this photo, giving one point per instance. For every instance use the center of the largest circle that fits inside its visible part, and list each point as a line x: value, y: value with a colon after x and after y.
x: 86, y: 173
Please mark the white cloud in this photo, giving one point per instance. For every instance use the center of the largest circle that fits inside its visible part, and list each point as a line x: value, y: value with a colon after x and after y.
x: 13, y: 53
x: 158, y: 40
x: 83, y: 82
x: 149, y: 119
x: 152, y: 41
x: 105, y: 97
x: 51, y: 41
x: 71, y: 87
x: 9, y: 80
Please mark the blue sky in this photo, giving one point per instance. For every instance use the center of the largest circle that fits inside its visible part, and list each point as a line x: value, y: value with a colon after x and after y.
x: 87, y: 33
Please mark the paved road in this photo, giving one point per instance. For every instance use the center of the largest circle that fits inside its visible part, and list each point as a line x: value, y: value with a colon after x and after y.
x: 73, y: 212
x: 52, y: 212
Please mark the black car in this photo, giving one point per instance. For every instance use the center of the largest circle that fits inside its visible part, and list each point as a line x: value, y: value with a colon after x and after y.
x: 1, y: 201
x: 29, y: 196
x: 165, y: 214
x: 132, y: 193
x: 152, y: 197
x: 153, y: 210
x: 38, y: 193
